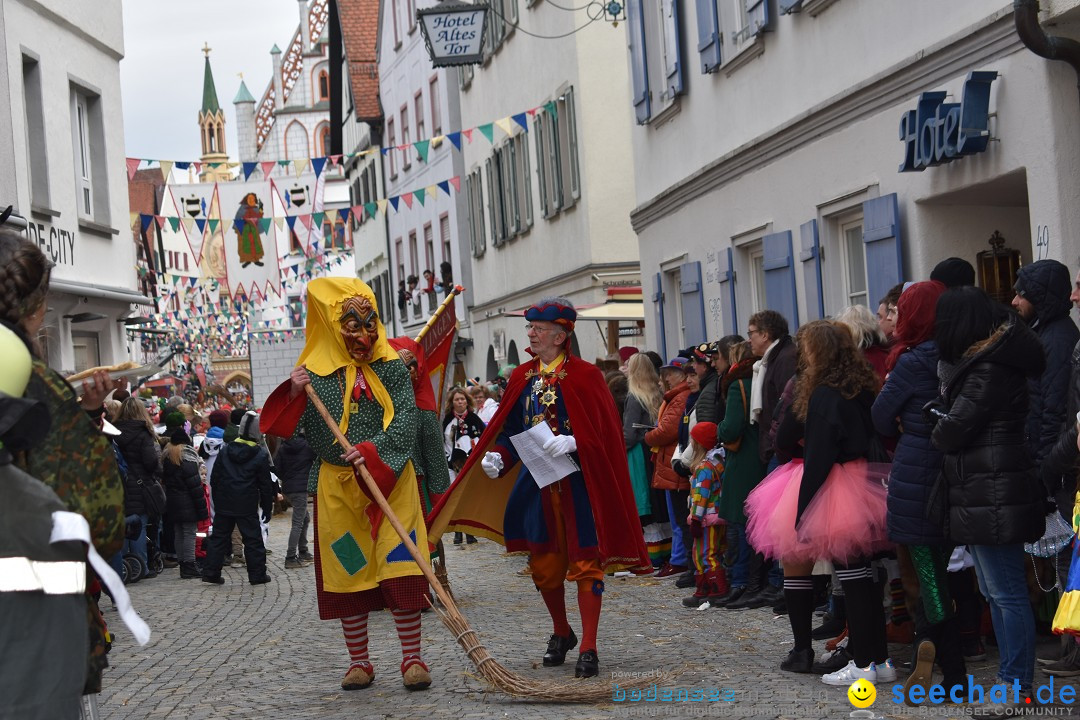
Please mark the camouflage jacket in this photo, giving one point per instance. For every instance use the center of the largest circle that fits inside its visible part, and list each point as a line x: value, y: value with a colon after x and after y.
x: 77, y: 461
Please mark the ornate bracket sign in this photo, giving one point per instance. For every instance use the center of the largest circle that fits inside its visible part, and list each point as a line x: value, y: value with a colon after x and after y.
x: 937, y: 132
x: 454, y: 33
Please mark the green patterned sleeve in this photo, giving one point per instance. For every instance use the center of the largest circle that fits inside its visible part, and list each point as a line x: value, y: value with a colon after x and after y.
x: 431, y: 453
x: 397, y: 442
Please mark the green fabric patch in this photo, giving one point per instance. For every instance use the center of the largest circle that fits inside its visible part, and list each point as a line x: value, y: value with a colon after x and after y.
x: 349, y: 553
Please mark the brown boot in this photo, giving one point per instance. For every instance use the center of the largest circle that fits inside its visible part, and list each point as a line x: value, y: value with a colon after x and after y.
x: 416, y: 677
x: 358, y: 677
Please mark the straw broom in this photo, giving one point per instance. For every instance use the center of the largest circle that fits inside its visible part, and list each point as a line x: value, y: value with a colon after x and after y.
x: 500, y: 677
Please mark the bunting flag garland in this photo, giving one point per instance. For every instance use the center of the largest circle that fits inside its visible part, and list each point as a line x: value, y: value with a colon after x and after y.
x: 422, y: 148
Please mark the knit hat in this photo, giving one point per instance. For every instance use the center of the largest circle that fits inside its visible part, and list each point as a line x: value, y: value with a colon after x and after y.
x: 236, y: 415
x: 704, y: 434
x: 626, y: 352
x: 180, y: 438
x: 954, y: 272
x: 219, y: 419
x: 249, y: 427
x: 173, y: 421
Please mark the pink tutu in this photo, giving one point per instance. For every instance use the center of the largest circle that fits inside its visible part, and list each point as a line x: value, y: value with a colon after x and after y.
x: 844, y: 521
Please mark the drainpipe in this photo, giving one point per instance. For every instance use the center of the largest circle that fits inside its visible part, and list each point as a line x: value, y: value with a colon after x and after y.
x: 1031, y: 33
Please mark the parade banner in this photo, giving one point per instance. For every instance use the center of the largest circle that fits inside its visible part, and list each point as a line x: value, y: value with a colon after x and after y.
x: 201, y: 211
x: 250, y: 243
x: 438, y: 346
x: 174, y: 234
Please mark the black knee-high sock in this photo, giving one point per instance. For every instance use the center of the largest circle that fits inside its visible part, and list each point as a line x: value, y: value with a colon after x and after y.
x: 866, y: 617
x: 799, y: 595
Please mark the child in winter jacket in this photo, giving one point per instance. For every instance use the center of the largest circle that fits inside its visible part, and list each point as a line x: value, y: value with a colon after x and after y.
x: 705, y: 526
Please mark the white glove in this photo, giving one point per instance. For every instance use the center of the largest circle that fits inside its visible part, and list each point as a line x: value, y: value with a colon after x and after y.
x: 560, y: 445
x: 492, y: 464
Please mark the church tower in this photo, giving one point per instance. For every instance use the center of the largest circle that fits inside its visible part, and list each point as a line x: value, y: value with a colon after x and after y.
x: 212, y: 130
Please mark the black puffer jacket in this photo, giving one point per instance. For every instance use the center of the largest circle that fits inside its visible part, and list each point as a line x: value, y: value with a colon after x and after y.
x: 1046, y: 284
x: 1059, y: 469
x: 708, y: 405
x: 995, y: 496
x: 184, y: 498
x: 241, y: 481
x: 292, y: 463
x: 143, y: 457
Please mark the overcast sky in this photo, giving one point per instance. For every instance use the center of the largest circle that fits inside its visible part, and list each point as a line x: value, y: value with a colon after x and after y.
x: 162, y: 71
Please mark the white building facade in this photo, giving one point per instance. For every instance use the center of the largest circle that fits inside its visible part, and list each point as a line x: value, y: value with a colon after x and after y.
x: 805, y: 155
x: 549, y: 209
x: 420, y: 102
x: 62, y: 167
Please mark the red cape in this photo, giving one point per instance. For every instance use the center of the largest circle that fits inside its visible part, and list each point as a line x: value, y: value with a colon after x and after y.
x: 476, y: 503
x: 425, y: 394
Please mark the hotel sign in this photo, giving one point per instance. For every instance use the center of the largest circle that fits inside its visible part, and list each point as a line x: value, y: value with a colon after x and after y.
x: 937, y: 132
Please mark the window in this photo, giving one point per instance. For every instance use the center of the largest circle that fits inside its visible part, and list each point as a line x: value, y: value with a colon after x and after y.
x: 557, y: 156
x: 757, y: 279
x: 87, y: 351
x: 406, y: 162
x: 418, y: 109
x: 741, y: 24
x: 465, y: 76
x: 414, y: 257
x: 36, y: 153
x: 394, y: 15
x: 523, y: 183
x: 429, y: 248
x: 88, y: 140
x: 433, y: 95
x: 324, y: 85
x: 540, y: 133
x: 474, y: 194
x: 400, y: 258
x: 444, y: 236
x: 853, y: 257
x: 391, y: 147
x: 568, y: 142
x: 324, y: 140
x: 410, y: 7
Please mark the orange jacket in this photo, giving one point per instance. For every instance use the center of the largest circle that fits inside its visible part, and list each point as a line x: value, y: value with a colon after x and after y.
x: 665, y: 438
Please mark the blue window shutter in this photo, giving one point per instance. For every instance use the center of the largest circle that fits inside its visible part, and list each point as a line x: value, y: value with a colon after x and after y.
x: 726, y: 278
x: 658, y: 307
x: 757, y: 15
x: 810, y: 256
x: 673, y: 32
x: 881, y: 238
x: 639, y: 69
x: 708, y: 24
x: 780, y: 276
x: 693, y: 303
x: 789, y: 6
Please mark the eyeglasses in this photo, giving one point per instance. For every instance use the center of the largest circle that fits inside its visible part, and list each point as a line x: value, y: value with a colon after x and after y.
x: 537, y: 329
x: 752, y: 333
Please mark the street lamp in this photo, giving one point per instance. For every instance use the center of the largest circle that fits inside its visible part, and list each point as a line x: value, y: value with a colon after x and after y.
x: 454, y: 32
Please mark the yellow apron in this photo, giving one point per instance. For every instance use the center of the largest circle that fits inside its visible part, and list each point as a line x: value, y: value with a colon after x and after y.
x: 351, y: 559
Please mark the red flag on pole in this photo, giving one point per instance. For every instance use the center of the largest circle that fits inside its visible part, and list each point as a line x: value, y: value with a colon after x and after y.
x: 438, y: 346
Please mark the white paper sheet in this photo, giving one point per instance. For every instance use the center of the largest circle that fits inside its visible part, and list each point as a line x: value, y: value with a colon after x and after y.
x: 544, y: 468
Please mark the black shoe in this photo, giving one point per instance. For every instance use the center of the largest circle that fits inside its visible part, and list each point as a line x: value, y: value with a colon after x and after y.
x: 829, y: 629
x: 780, y: 608
x: 748, y: 597
x: 458, y: 538
x: 686, y: 580
x: 588, y: 665
x: 694, y: 601
x: 470, y: 540
x: 189, y: 571
x: 557, y: 648
x: 733, y: 594
x: 799, y: 661
x: 260, y: 580
x: 214, y: 579
x: 836, y: 661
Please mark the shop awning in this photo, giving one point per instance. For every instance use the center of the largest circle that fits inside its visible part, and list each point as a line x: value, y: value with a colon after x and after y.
x: 99, y: 291
x: 614, y: 310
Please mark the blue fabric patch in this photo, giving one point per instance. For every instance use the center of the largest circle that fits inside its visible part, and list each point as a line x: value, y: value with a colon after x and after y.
x: 400, y: 553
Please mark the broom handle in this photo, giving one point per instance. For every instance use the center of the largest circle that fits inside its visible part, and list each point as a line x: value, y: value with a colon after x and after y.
x: 439, y: 311
x: 369, y: 481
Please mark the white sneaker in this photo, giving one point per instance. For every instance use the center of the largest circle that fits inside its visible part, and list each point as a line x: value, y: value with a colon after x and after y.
x: 886, y: 671
x: 850, y: 673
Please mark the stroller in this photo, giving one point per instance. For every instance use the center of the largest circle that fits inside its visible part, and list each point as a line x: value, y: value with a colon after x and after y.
x: 132, y: 568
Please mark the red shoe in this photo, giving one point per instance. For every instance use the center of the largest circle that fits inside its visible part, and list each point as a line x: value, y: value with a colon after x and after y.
x: 670, y: 569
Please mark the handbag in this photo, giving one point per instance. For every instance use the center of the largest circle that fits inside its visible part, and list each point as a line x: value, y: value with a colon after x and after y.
x: 1056, y: 538
x: 734, y: 445
x: 153, y: 497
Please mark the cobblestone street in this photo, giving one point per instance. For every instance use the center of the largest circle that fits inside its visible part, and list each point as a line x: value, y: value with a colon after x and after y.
x: 240, y: 651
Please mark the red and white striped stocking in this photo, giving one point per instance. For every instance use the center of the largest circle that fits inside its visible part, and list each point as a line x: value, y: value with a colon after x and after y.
x: 408, y: 629
x: 356, y: 639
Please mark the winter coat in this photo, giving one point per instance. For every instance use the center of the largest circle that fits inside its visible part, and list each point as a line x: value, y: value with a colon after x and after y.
x: 184, y: 498
x: 1047, y: 285
x: 143, y: 456
x: 778, y: 370
x: 634, y: 413
x: 877, y: 355
x: 241, y: 481
x: 292, y: 464
x: 916, y: 463
x: 1059, y: 469
x: 995, y: 496
x: 665, y: 437
x: 472, y: 427
x: 744, y: 469
x: 708, y: 401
